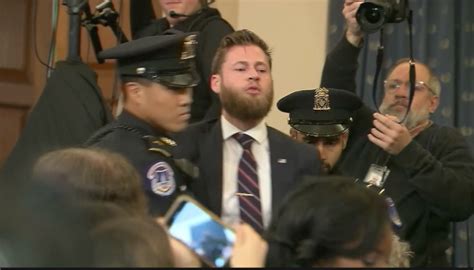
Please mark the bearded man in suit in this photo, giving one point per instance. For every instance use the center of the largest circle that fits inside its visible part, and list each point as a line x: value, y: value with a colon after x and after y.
x: 246, y: 167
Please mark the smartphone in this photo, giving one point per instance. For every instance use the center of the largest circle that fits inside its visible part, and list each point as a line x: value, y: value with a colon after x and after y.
x: 200, y: 230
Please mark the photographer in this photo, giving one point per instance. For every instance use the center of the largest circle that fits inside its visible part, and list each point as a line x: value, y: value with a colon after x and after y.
x: 429, y: 167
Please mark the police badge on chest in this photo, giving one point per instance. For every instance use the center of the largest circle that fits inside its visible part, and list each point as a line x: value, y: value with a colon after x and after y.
x: 162, y: 178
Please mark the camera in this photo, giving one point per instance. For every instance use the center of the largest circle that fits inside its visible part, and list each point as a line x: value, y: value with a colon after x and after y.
x: 373, y: 14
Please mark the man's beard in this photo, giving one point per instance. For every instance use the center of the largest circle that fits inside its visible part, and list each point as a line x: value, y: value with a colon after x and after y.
x: 413, y: 119
x: 243, y: 107
x: 325, y: 168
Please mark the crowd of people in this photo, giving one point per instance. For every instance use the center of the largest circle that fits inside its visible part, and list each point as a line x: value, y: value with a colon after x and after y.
x: 348, y: 187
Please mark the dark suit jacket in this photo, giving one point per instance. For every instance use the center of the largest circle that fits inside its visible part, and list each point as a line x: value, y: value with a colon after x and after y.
x: 202, y: 144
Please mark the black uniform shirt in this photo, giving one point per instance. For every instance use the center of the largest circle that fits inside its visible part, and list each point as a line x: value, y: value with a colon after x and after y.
x: 149, y: 152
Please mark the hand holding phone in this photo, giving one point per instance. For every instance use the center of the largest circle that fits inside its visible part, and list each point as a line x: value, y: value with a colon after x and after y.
x: 200, y: 230
x: 250, y: 250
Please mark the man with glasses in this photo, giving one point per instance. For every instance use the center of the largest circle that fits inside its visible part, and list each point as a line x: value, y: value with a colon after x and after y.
x: 427, y: 169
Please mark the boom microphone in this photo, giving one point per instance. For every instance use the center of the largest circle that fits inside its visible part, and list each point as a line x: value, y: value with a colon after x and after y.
x: 175, y: 15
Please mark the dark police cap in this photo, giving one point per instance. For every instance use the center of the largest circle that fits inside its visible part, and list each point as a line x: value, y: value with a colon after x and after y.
x: 322, y: 112
x: 167, y: 59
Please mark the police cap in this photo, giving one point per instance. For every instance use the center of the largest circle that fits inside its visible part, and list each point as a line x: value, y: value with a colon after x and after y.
x: 321, y: 112
x: 167, y: 59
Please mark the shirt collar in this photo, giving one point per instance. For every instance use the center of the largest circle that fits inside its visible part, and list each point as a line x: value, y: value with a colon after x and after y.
x: 258, y: 133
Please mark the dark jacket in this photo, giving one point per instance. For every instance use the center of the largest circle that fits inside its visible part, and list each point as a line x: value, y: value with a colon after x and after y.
x: 149, y: 151
x: 69, y: 110
x: 212, y: 28
x: 202, y: 144
x: 431, y: 179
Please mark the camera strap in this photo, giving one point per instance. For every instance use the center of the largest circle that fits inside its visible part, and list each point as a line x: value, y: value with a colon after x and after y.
x: 379, y: 171
x: 412, y: 71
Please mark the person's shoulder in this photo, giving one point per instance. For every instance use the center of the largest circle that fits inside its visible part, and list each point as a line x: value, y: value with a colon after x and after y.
x: 203, y: 126
x: 196, y: 130
x: 115, y: 138
x: 217, y: 21
x: 156, y: 27
x: 444, y: 128
x: 212, y: 20
x: 218, y: 28
x: 442, y: 132
x: 441, y: 140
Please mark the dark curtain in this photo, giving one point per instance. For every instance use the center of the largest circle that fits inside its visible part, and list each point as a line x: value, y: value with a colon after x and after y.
x: 443, y: 39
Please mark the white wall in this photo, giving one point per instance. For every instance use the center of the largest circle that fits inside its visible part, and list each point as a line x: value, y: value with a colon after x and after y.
x: 296, y: 32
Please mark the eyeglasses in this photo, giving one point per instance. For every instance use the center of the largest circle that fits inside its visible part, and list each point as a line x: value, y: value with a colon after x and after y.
x: 393, y: 85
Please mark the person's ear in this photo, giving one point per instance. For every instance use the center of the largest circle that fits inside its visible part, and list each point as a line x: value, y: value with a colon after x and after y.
x: 434, y: 103
x: 344, y: 138
x: 133, y: 91
x: 293, y: 133
x: 216, y: 83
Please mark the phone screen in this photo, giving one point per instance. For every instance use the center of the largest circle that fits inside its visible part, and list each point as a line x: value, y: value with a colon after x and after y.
x: 199, y: 231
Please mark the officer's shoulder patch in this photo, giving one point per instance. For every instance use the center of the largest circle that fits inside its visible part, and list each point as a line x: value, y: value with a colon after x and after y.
x: 162, y: 178
x: 160, y: 145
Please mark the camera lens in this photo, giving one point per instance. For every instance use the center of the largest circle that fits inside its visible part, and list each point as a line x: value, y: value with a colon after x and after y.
x: 370, y: 17
x: 374, y: 14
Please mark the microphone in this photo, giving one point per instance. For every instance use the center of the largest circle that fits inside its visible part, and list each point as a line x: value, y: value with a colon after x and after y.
x: 175, y: 15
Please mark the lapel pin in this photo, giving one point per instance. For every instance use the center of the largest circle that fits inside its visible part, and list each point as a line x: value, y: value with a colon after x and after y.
x: 282, y: 160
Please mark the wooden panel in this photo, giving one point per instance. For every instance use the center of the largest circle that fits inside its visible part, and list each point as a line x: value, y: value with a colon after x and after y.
x: 14, y: 24
x: 21, y: 75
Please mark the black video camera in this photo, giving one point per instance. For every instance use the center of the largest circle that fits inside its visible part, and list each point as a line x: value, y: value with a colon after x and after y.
x: 373, y: 14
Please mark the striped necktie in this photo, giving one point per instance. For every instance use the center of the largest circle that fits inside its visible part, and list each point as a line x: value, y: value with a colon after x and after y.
x: 248, y: 189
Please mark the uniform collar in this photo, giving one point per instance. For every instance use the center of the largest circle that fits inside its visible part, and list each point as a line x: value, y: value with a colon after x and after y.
x: 128, y: 119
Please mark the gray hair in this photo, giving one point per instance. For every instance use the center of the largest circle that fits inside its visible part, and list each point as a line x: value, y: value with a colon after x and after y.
x: 433, y: 82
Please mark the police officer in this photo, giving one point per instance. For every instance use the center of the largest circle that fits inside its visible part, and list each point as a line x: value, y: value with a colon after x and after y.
x: 324, y: 117
x: 157, y: 74
x: 321, y: 117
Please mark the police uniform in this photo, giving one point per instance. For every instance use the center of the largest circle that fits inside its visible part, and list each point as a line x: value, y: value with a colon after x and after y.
x: 320, y: 112
x: 167, y: 60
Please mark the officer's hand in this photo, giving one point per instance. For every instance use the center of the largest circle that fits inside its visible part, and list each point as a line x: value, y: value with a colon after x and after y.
x: 353, y: 34
x: 250, y: 250
x: 388, y: 134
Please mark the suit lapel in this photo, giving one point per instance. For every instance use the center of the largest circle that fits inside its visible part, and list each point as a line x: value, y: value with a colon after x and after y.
x: 212, y: 161
x: 280, y: 166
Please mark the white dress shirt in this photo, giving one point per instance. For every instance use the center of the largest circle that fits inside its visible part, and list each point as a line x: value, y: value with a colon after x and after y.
x: 232, y: 151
